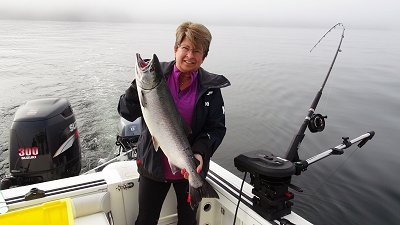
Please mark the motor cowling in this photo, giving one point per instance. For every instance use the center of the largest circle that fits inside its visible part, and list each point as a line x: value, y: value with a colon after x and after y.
x: 130, y: 129
x: 128, y: 135
x: 44, y: 143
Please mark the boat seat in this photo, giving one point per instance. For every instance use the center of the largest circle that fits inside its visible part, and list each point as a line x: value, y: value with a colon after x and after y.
x: 92, y: 209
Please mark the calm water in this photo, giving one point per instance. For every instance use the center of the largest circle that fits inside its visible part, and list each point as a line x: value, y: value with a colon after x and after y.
x: 274, y: 79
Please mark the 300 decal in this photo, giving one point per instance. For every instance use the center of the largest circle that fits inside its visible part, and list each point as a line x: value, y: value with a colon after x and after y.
x: 32, y: 151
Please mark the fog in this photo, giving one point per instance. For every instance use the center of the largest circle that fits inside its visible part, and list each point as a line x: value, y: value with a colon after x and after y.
x: 382, y: 14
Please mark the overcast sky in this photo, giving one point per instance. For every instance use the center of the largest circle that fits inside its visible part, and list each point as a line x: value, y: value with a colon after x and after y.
x: 353, y: 13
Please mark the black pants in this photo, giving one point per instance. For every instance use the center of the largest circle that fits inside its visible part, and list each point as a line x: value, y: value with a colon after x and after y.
x: 152, y: 195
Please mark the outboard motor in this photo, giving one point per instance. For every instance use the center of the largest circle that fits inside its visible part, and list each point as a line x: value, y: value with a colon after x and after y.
x: 44, y: 143
x: 128, y: 135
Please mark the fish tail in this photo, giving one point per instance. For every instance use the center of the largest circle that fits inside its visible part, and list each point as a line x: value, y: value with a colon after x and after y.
x: 196, y: 194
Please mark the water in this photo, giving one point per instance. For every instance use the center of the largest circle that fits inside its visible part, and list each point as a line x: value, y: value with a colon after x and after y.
x: 274, y: 80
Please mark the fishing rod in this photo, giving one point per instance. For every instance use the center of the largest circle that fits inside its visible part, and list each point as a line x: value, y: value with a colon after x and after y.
x: 315, y: 122
x: 271, y: 175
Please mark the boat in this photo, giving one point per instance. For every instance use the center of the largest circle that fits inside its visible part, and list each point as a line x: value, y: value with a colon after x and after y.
x: 45, y: 186
x: 108, y: 194
x: 110, y: 197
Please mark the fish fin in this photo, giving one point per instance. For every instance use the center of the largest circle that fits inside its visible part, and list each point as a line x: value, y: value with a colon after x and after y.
x: 196, y: 194
x: 174, y: 169
x: 155, y: 143
x: 143, y: 99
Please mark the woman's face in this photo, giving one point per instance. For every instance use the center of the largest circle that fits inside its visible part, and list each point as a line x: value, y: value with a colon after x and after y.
x: 188, y: 58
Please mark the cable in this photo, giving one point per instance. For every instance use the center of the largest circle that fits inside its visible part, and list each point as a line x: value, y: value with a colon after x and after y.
x: 240, y: 196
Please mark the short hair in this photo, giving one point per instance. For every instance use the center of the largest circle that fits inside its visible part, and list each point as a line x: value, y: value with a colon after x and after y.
x: 197, y: 33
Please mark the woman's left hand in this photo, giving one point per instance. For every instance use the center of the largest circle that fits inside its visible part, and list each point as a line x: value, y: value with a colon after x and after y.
x: 198, y: 169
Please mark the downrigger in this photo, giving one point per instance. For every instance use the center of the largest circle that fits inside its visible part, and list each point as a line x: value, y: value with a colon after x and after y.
x: 271, y: 175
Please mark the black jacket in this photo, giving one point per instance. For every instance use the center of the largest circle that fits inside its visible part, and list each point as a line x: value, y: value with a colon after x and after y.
x: 208, y: 123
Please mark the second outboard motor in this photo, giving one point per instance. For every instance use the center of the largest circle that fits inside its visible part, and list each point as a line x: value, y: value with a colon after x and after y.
x: 44, y: 143
x: 128, y: 135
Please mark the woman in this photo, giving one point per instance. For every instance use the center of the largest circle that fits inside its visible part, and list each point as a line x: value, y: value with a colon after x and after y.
x: 198, y: 98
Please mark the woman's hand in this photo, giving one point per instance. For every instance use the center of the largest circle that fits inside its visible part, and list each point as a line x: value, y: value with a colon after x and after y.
x: 198, y: 169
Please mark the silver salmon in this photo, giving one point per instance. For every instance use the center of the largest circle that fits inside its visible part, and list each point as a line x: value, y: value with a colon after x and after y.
x: 167, y: 127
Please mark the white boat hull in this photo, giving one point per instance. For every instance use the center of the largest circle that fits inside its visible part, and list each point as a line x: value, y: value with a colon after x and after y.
x: 110, y: 197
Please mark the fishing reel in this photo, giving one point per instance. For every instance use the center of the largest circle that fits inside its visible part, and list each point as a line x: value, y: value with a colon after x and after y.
x: 317, y: 123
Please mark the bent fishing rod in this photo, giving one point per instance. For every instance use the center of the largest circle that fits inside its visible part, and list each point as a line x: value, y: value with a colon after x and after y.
x: 315, y: 122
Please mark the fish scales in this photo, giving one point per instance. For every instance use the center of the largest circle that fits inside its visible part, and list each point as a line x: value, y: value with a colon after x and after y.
x: 168, y: 130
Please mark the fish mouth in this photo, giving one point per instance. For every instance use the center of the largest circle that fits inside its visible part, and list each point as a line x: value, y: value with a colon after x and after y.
x: 147, y: 71
x: 142, y: 64
x: 147, y: 64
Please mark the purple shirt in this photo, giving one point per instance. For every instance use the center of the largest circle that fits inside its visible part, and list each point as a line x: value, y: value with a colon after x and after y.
x: 185, y: 101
